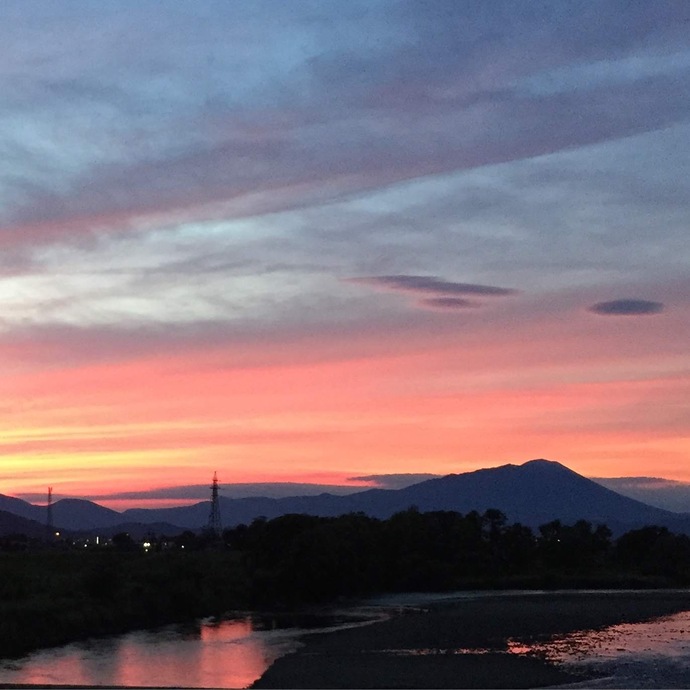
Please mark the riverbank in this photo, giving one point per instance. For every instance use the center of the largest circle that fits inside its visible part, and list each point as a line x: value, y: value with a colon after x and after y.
x: 463, y: 643
x: 55, y: 597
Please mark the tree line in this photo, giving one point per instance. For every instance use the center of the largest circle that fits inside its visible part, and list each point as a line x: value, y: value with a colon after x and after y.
x: 303, y: 557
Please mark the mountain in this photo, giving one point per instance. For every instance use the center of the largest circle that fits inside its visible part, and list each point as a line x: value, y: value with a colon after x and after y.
x: 244, y: 510
x: 190, y: 517
x: 533, y: 493
x: 68, y: 513
x: 11, y: 523
x: 539, y: 490
x: 136, y: 530
x: 78, y: 514
x: 22, y: 508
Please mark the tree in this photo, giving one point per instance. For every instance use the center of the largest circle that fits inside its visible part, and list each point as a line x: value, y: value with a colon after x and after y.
x: 123, y: 542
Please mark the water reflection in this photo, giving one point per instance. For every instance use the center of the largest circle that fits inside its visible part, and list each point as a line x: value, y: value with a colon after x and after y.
x: 668, y: 636
x: 228, y: 654
x: 208, y: 654
x: 652, y: 654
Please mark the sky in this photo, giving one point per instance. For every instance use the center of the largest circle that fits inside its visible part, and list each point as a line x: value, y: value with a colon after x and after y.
x: 332, y: 242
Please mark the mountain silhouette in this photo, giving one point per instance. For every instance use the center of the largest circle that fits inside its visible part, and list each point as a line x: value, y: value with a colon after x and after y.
x: 11, y: 523
x: 68, y: 513
x: 533, y: 493
x: 22, y: 508
x: 79, y: 514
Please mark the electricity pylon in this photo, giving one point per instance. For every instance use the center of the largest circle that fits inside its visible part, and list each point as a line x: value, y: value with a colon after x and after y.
x: 214, y: 526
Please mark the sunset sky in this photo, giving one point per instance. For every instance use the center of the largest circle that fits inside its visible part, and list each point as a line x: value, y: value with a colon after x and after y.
x: 317, y: 240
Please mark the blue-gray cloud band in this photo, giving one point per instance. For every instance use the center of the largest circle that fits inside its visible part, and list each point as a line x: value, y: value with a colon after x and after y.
x: 627, y: 307
x: 395, y: 481
x: 449, y: 303
x: 432, y: 285
x: 435, y: 293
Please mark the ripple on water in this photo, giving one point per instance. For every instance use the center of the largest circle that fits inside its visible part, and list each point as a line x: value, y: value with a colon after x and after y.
x: 652, y: 654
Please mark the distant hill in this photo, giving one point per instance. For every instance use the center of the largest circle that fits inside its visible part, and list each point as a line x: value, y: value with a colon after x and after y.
x: 22, y: 508
x: 190, y: 517
x: 533, y: 493
x: 68, y: 513
x: 136, y: 530
x: 244, y: 510
x: 78, y: 514
x: 15, y: 524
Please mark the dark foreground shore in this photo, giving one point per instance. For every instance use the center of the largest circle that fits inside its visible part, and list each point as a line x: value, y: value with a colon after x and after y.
x: 378, y: 655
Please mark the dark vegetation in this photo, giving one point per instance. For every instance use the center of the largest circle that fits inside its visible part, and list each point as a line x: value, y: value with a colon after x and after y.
x: 298, y: 558
x: 55, y: 596
x: 51, y: 595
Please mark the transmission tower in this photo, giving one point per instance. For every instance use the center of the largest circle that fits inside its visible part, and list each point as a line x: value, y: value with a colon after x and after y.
x: 49, y: 516
x: 214, y: 526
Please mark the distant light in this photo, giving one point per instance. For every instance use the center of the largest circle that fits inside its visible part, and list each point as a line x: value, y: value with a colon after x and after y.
x: 182, y: 546
x: 97, y: 541
x: 57, y: 534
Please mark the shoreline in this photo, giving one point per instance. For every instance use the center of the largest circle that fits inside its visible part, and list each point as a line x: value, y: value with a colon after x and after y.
x: 464, y: 642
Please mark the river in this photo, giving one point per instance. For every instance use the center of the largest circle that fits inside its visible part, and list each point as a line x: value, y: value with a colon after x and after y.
x: 234, y: 652
x: 653, y: 654
x: 230, y: 653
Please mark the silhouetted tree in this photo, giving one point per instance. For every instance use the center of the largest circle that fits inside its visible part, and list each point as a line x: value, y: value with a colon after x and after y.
x: 654, y: 550
x: 123, y: 542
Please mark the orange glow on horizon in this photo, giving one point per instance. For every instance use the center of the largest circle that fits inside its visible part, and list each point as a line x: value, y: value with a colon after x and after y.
x: 106, y: 428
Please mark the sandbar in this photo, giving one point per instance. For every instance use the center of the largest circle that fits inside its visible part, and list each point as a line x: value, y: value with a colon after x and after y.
x: 463, y: 643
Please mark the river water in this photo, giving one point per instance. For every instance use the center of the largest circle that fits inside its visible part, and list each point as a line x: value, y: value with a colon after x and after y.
x: 235, y: 652
x: 654, y: 654
x: 229, y: 653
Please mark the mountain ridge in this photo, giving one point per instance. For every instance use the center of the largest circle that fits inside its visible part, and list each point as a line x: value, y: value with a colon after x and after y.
x: 532, y: 493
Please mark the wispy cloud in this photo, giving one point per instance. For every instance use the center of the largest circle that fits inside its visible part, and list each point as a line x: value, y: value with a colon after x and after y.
x: 431, y: 285
x: 445, y: 293
x: 449, y: 303
x: 395, y: 481
x: 663, y: 493
x: 201, y: 492
x: 627, y: 307
x: 177, y: 138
